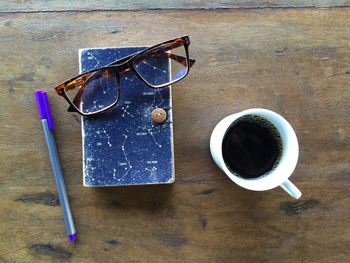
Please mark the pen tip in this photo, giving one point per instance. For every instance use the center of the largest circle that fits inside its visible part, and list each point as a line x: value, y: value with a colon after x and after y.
x: 73, y: 237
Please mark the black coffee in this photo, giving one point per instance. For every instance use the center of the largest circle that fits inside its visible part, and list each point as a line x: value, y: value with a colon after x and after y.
x: 251, y: 147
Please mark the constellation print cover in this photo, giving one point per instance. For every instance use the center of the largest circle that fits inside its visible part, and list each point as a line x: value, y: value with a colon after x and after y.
x: 123, y: 146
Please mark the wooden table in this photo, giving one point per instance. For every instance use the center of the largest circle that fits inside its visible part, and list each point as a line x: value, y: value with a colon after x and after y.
x: 276, y: 55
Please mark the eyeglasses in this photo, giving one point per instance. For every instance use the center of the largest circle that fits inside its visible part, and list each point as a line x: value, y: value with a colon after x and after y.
x: 98, y: 90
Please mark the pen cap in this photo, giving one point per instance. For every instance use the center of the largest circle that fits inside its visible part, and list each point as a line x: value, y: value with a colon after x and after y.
x: 44, y: 107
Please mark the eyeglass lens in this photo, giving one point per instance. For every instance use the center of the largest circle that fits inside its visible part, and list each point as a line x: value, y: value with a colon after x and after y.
x: 99, y: 91
x: 147, y: 64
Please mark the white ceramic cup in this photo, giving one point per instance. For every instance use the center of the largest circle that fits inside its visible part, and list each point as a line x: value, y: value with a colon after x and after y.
x: 286, y: 165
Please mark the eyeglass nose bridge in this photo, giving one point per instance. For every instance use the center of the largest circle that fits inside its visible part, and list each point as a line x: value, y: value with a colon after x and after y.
x: 122, y: 68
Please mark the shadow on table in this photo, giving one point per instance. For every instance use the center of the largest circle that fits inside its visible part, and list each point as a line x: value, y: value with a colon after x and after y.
x: 151, y: 198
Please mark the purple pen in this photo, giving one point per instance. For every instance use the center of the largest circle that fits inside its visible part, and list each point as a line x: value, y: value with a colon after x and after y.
x: 48, y: 126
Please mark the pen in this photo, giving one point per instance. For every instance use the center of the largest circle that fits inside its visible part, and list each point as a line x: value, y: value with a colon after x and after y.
x: 48, y: 126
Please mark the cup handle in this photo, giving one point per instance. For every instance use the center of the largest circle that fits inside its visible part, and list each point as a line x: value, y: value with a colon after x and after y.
x: 291, y: 189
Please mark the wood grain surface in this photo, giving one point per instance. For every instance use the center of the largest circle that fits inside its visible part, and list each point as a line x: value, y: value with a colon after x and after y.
x: 293, y: 61
x: 111, y: 5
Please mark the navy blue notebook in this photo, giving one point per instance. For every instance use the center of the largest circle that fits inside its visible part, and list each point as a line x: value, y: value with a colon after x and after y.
x: 124, y: 146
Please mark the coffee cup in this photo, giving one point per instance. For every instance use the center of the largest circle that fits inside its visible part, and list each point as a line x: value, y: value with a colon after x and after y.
x: 257, y: 149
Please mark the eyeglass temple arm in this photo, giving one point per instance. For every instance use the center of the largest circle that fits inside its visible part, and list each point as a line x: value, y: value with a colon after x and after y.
x: 121, y: 61
x: 180, y: 59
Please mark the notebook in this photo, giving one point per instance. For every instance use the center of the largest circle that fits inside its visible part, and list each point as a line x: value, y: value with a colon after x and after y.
x: 124, y: 146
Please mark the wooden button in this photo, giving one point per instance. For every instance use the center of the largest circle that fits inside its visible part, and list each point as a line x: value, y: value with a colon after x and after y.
x: 158, y: 115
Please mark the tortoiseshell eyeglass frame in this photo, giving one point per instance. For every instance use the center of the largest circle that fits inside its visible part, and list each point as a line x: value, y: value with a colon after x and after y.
x: 120, y: 66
